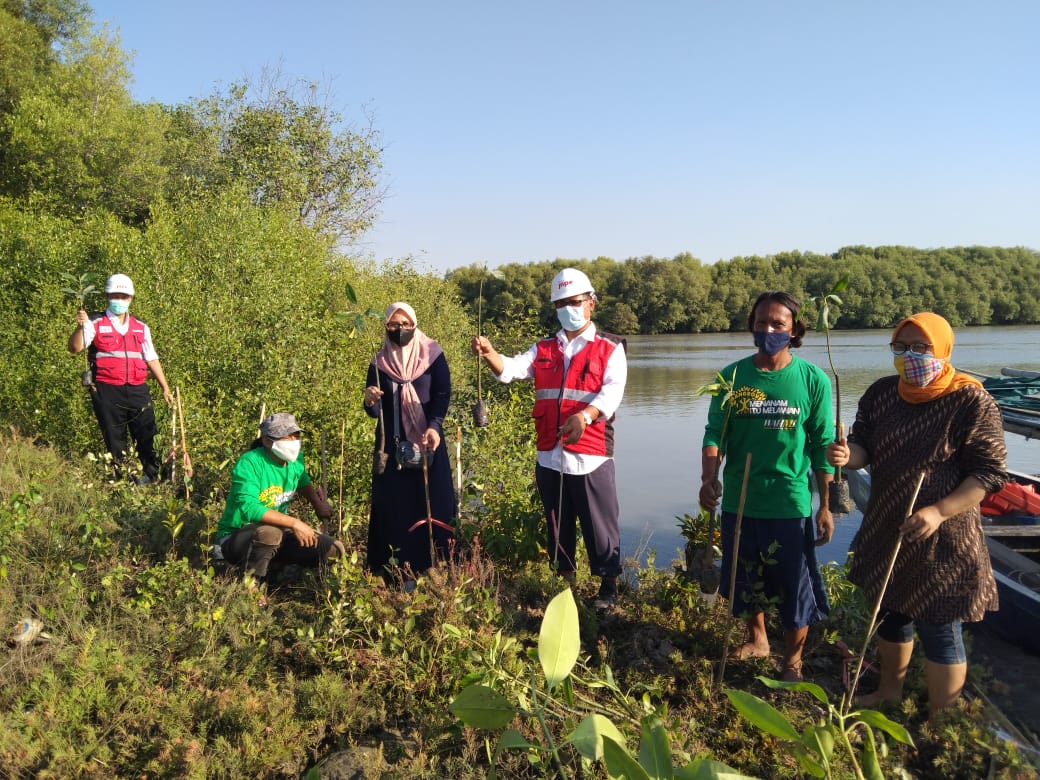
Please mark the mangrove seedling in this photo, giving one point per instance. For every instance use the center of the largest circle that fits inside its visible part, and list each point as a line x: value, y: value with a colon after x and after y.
x: 80, y: 288
x: 354, y: 317
x: 480, y: 415
x: 818, y: 747
x: 840, y: 497
x: 700, y: 555
x: 558, y: 697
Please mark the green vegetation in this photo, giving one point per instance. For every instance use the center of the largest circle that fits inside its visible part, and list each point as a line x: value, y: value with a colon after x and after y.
x: 236, y: 217
x: 158, y: 665
x: 968, y: 285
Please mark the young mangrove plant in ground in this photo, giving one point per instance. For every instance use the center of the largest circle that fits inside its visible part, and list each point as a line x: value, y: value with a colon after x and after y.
x: 595, y: 737
x: 815, y: 746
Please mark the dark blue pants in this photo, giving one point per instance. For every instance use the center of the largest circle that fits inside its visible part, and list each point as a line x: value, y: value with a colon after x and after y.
x: 776, y: 563
x: 590, y: 499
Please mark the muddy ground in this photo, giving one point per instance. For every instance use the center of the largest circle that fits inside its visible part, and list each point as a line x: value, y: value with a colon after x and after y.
x: 1015, y: 684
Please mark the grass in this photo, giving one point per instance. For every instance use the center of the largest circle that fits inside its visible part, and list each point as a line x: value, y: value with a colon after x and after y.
x: 158, y: 665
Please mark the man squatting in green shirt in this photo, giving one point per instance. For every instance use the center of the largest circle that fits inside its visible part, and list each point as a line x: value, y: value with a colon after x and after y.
x: 779, y: 411
x: 255, y: 530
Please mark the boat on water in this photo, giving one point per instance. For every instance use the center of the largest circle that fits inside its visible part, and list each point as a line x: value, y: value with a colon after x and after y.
x: 1017, y: 393
x: 1011, y: 518
x: 1013, y: 539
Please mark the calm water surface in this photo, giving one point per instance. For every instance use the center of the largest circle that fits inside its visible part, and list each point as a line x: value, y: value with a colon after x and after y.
x: 661, y: 422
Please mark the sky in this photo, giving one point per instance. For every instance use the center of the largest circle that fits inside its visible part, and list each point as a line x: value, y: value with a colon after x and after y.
x: 535, y: 130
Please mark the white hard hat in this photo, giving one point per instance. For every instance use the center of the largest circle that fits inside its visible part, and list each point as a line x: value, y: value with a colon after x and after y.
x: 119, y: 283
x: 568, y: 283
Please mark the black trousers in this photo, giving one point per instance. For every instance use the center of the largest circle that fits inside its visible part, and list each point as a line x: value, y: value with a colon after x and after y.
x: 257, y: 546
x: 591, y: 501
x: 122, y: 408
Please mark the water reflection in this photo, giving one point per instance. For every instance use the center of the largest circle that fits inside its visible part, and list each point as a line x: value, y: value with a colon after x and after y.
x: 661, y: 422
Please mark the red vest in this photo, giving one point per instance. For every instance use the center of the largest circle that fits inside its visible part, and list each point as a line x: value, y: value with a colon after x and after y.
x: 118, y: 359
x: 557, y: 397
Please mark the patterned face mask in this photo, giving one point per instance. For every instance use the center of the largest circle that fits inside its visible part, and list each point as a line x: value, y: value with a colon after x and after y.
x: 918, y: 370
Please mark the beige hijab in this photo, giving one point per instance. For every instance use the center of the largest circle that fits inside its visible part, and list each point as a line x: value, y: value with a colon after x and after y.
x: 404, y: 365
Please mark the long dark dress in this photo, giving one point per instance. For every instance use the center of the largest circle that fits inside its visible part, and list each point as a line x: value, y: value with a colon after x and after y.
x: 398, y: 495
x: 946, y: 577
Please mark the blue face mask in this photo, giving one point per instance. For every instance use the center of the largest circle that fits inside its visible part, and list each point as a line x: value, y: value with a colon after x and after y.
x: 118, y: 307
x: 572, y: 317
x: 771, y: 343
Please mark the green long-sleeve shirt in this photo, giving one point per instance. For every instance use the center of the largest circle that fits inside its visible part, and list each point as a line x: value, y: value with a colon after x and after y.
x: 259, y: 481
x: 784, y: 419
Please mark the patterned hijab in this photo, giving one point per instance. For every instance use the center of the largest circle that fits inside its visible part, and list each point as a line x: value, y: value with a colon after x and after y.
x: 940, y: 334
x: 404, y: 365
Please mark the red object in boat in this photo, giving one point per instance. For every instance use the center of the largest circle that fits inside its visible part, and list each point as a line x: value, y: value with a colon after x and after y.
x: 1012, y: 498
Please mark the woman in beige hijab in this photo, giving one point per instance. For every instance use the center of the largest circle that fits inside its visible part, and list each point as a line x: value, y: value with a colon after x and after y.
x: 408, y: 389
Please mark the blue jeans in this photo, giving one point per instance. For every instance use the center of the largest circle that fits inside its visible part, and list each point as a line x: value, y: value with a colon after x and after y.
x: 943, y: 642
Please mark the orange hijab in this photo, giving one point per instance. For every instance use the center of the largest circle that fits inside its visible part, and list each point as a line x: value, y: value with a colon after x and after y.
x: 940, y: 334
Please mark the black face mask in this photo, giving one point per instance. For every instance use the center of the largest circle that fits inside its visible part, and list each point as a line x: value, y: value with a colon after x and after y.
x: 401, y: 337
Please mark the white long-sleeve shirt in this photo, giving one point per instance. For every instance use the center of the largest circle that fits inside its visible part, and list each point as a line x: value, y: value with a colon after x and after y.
x: 607, y: 400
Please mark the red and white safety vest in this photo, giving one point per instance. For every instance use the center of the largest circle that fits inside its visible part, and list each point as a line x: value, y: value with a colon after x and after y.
x: 557, y: 397
x: 118, y: 359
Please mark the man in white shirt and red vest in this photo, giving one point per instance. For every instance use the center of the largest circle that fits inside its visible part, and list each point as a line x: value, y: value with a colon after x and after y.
x: 121, y: 355
x: 579, y: 376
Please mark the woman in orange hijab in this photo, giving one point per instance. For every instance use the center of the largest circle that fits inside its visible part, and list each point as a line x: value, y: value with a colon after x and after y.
x: 927, y: 419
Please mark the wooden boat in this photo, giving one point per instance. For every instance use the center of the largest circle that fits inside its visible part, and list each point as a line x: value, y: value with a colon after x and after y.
x: 1014, y: 549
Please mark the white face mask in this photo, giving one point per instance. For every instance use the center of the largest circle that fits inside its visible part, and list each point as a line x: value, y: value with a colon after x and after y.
x: 572, y: 317
x: 286, y: 449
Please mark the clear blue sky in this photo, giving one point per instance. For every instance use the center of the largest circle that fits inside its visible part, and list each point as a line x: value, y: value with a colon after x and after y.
x: 531, y: 130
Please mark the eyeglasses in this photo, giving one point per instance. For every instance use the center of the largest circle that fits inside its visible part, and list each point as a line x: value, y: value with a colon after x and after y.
x: 570, y: 302
x: 918, y: 348
x: 395, y: 326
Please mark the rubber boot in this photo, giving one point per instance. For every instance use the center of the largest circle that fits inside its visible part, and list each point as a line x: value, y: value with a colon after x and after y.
x: 895, y: 660
x: 945, y: 683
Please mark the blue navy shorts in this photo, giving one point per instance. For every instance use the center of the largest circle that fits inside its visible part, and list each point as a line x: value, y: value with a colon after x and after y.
x: 791, y: 579
x: 943, y: 643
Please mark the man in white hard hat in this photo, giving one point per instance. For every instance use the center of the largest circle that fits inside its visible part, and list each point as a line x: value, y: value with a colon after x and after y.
x: 121, y: 355
x: 579, y: 378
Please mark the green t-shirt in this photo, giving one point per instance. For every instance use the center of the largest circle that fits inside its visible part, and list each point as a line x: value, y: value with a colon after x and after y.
x: 784, y: 419
x: 259, y: 481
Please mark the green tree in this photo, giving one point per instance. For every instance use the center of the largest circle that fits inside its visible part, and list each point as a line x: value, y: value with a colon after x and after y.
x: 76, y: 141
x: 285, y: 144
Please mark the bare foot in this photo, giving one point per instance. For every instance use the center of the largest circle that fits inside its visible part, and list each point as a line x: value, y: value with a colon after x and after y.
x: 875, y: 699
x: 747, y: 651
x: 792, y: 672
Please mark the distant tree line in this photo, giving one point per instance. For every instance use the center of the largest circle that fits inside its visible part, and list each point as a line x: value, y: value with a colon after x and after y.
x: 967, y: 285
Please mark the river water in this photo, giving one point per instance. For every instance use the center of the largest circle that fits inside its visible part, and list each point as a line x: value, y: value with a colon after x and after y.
x: 661, y: 422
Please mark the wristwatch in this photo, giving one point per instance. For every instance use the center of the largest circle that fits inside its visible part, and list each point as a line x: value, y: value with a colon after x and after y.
x: 587, y: 418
